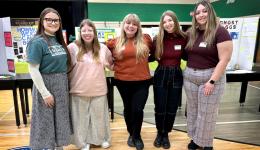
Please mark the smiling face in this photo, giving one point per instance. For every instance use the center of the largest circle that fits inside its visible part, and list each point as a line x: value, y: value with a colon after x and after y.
x: 201, y: 15
x: 168, y: 24
x: 51, y: 23
x: 87, y: 33
x: 130, y: 28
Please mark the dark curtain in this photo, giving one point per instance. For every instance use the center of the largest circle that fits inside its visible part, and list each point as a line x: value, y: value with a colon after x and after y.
x: 71, y: 11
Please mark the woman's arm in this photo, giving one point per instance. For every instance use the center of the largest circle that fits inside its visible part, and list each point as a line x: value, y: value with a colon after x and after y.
x: 184, y: 54
x: 38, y: 82
x: 151, y: 57
x: 111, y: 44
x: 73, y: 49
x: 224, y: 54
x: 108, y: 58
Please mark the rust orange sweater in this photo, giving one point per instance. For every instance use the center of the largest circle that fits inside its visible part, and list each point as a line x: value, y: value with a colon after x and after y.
x: 128, y: 68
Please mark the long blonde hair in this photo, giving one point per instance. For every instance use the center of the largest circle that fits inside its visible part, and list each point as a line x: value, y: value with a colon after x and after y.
x: 95, y: 46
x: 142, y: 49
x: 176, y: 30
x: 211, y: 25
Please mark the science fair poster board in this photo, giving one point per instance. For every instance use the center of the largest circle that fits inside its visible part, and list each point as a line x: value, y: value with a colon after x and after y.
x: 6, y: 48
x: 248, y: 43
x: 23, y: 29
x: 243, y: 32
x: 153, y: 31
x: 103, y: 34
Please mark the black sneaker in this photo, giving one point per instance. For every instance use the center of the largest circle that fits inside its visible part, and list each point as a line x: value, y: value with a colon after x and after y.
x: 208, y: 148
x: 130, y: 141
x: 158, y: 140
x: 138, y: 142
x: 192, y: 145
x: 165, y: 142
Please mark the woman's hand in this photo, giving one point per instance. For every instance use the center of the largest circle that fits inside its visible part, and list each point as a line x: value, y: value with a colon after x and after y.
x: 49, y: 101
x: 208, y: 89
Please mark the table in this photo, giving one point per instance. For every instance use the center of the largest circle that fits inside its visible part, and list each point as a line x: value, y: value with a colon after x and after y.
x: 232, y: 76
x: 10, y: 84
x: 110, y: 95
x: 24, y: 82
x: 244, y: 77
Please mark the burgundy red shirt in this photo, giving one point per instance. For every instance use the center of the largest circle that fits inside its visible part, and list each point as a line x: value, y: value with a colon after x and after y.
x: 202, y: 56
x: 173, y: 48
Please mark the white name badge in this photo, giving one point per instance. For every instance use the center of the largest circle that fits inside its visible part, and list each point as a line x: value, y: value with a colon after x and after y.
x: 203, y: 44
x: 177, y: 47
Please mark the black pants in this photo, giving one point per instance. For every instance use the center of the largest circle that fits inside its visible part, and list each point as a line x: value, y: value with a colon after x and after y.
x: 134, y: 95
x: 167, y: 87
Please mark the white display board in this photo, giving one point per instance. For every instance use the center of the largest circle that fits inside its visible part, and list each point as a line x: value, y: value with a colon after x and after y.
x: 6, y: 48
x: 233, y: 25
x: 153, y: 31
x: 248, y: 43
x: 243, y: 32
x: 23, y: 29
x: 103, y: 34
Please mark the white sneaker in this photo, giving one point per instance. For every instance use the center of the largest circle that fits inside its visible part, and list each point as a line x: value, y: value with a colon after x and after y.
x: 105, y: 144
x: 86, y: 147
x: 59, y: 148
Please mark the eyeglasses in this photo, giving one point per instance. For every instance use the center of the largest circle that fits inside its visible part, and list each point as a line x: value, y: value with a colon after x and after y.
x: 50, y: 20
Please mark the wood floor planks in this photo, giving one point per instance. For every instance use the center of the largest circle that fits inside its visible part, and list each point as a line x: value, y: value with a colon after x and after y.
x: 11, y: 136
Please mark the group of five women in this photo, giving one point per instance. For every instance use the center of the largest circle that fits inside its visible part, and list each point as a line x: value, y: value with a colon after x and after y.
x: 69, y: 93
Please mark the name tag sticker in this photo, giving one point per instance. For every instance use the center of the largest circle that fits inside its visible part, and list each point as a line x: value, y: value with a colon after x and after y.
x: 203, y: 44
x: 177, y: 47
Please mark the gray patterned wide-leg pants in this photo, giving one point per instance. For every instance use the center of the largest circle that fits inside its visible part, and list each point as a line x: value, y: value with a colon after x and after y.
x: 202, y: 110
x: 50, y: 127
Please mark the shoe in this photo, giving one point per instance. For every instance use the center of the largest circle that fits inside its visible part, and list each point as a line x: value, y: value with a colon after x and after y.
x: 165, y: 141
x: 138, y: 142
x: 192, y: 145
x: 208, y: 148
x: 86, y: 147
x: 105, y: 144
x: 130, y: 141
x: 59, y: 148
x: 158, y: 140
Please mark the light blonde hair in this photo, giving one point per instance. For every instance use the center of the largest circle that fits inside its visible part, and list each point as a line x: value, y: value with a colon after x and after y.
x: 142, y: 49
x: 176, y: 30
x: 211, y: 25
x: 95, y: 45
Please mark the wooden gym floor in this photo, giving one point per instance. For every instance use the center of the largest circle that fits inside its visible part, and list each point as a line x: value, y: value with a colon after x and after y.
x: 11, y: 136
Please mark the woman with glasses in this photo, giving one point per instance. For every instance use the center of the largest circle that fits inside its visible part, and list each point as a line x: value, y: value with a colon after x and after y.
x: 88, y: 89
x: 209, y: 50
x: 49, y: 60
